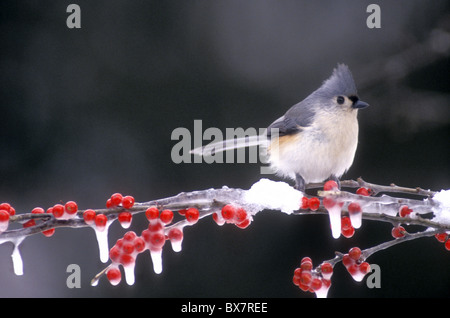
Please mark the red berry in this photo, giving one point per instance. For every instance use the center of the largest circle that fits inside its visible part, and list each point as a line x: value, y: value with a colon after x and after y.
x: 405, y: 211
x: 114, y: 276
x: 328, y: 202
x: 347, y: 260
x: 363, y: 191
x: 398, y: 231
x: 58, y: 210
x: 157, y: 240
x: 441, y: 237
x: 327, y: 270
x: 125, y: 219
x: 128, y: 248
x: 116, y: 199
x: 240, y: 216
x: 48, y: 232
x: 155, y: 226
x: 354, y: 208
x: 305, y: 278
x: 89, y: 216
x: 114, y: 254
x: 447, y: 245
x: 130, y: 236
x: 166, y: 216
x: 192, y: 215
x: 152, y: 213
x: 330, y: 185
x: 128, y: 202
x: 175, y: 235
x: 305, y: 203
x: 347, y: 229
x: 71, y: 207
x: 244, y: 224
x: 353, y: 269
x: 4, y: 216
x: 126, y: 259
x: 364, y: 267
x: 306, y: 259
x: 139, y: 244
x: 306, y: 266
x: 100, y: 221
x: 228, y: 212
x: 29, y: 223
x: 316, y: 284
x: 354, y: 253
x: 314, y: 203
x: 182, y: 211
x: 37, y: 211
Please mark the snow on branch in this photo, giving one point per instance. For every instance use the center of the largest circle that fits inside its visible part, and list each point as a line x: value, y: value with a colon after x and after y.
x: 346, y: 209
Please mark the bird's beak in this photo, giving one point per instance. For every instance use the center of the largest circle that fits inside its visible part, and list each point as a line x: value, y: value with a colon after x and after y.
x: 359, y: 104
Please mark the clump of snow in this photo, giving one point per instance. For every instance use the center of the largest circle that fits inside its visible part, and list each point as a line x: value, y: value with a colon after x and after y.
x: 442, y: 209
x: 273, y: 195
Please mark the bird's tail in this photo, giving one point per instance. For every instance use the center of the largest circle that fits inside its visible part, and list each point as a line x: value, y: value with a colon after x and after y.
x: 230, y: 144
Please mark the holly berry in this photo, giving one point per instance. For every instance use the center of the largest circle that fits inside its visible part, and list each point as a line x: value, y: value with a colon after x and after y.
x: 405, y: 211
x: 89, y: 216
x: 192, y: 215
x: 166, y: 216
x: 447, y: 245
x: 4, y: 220
x: 305, y: 203
x: 327, y: 270
x: 152, y: 213
x: 125, y: 219
x: 441, y: 237
x: 330, y: 185
x: 354, y: 208
x: 100, y: 221
x: 398, y: 231
x: 116, y: 199
x: 228, y: 212
x: 58, y: 211
x: 8, y: 208
x: 314, y: 203
x: 363, y: 191
x: 114, y: 276
x: 175, y: 235
x: 355, y: 253
x: 347, y: 229
x: 71, y: 207
x: 128, y: 202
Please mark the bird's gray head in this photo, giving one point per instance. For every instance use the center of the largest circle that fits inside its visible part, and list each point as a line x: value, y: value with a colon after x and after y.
x: 339, y: 90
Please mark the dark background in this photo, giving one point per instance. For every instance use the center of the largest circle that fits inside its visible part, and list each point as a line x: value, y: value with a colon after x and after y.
x: 89, y: 112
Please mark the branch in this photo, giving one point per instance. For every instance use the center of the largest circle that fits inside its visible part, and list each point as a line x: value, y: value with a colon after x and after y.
x: 430, y: 209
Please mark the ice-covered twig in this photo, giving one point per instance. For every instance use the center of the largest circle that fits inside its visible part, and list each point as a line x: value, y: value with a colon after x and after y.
x: 429, y: 209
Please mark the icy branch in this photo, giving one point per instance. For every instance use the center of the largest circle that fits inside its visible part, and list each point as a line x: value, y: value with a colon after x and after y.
x: 425, y: 208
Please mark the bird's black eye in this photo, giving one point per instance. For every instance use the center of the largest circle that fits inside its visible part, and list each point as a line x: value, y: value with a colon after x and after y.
x: 340, y: 100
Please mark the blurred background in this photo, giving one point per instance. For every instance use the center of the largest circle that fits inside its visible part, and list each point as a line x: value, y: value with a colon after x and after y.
x: 89, y: 112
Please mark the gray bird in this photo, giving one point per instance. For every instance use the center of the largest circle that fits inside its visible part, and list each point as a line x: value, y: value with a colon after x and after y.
x: 314, y: 140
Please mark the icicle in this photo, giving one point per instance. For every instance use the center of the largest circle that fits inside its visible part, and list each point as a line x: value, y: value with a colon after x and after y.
x: 16, y: 256
x: 356, y: 219
x: 102, y: 240
x: 335, y: 220
x: 157, y: 261
x: 129, y: 273
x: 176, y: 246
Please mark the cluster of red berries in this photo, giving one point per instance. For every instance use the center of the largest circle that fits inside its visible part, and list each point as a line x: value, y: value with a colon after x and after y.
x: 6, y: 210
x: 313, y: 280
x: 127, y: 202
x: 355, y: 264
x: 234, y: 215
x: 443, y: 238
x: 312, y: 203
x: 398, y: 230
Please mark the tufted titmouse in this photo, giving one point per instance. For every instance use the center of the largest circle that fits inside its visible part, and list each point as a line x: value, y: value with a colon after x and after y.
x: 315, y: 139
